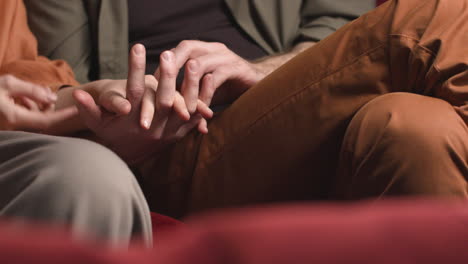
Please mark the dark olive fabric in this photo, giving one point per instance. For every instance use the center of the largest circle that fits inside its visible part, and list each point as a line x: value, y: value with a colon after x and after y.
x: 161, y: 25
x: 64, y: 28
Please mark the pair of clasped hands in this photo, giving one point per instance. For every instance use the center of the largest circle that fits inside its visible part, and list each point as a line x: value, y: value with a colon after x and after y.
x: 142, y: 115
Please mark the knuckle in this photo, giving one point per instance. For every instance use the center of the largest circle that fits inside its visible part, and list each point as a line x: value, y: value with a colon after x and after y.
x: 192, y: 63
x: 136, y: 91
x: 138, y: 65
x: 116, y: 102
x: 169, y: 72
x: 164, y: 105
x: 136, y: 86
x: 219, y: 45
x: 194, y: 69
x: 150, y: 78
x: 193, y: 81
x: 185, y: 44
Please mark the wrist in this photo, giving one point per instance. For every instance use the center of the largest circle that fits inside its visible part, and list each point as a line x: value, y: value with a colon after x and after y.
x: 65, y: 98
x: 94, y: 88
x: 266, y: 65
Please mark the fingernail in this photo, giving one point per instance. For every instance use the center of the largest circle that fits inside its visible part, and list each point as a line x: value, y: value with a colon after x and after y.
x: 139, y: 50
x: 210, y: 112
x: 187, y: 114
x: 167, y: 55
x: 146, y: 124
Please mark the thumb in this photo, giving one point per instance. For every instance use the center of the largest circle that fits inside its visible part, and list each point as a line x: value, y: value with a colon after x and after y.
x: 115, y: 103
x: 89, y: 112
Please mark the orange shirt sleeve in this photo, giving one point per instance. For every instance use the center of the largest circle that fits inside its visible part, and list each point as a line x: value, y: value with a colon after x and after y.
x: 18, y: 51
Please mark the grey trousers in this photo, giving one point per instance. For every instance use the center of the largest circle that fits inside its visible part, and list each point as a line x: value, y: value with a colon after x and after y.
x: 73, y: 183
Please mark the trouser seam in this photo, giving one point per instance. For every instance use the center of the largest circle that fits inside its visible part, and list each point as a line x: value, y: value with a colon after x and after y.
x: 415, y: 39
x: 423, y: 48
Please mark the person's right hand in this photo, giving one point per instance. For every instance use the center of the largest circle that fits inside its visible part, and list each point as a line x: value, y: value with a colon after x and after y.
x: 122, y: 127
x: 28, y: 107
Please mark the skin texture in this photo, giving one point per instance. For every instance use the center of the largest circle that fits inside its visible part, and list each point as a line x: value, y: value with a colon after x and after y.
x: 28, y: 107
x: 150, y: 110
x: 122, y: 118
x: 216, y: 75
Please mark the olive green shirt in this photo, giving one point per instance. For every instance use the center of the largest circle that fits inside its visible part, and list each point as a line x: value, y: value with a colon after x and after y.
x: 92, y: 35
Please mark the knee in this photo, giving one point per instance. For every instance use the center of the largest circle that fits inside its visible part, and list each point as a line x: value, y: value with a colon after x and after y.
x: 409, y: 122
x: 404, y: 144
x: 66, y: 180
x: 86, y: 187
x: 81, y: 170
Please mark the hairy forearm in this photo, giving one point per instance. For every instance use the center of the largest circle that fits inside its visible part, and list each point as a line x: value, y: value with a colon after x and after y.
x: 268, y: 64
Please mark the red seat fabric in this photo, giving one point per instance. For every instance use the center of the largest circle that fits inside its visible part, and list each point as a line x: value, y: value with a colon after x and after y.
x: 385, y: 232
x: 163, y: 223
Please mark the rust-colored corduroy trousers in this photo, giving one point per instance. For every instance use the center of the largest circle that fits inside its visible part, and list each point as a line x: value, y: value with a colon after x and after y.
x: 378, y: 108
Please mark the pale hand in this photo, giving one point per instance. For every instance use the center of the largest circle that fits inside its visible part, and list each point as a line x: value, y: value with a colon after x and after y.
x: 28, y: 107
x: 118, y: 118
x: 213, y: 73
